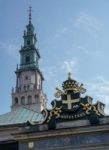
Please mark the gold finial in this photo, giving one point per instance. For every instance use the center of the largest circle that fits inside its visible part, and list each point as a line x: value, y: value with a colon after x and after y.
x: 30, y: 10
x: 69, y: 76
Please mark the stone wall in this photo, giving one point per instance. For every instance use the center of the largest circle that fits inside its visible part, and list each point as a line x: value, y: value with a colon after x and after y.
x: 78, y: 135
x: 81, y: 141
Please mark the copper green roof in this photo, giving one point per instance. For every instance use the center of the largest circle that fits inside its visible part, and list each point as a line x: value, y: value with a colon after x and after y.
x: 20, y: 116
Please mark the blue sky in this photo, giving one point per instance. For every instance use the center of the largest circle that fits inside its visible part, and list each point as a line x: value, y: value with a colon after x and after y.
x: 73, y: 36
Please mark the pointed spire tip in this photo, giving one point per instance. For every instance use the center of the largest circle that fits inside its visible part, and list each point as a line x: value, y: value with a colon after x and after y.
x: 30, y: 10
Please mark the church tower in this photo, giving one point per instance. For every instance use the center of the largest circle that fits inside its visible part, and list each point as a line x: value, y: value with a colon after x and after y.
x: 28, y: 91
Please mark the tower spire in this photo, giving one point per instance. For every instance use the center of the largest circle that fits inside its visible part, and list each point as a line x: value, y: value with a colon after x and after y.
x: 29, y: 79
x: 30, y: 10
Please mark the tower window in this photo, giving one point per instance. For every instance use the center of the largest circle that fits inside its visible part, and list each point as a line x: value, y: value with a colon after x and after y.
x: 26, y: 77
x: 28, y: 87
x: 29, y: 99
x: 24, y: 88
x: 16, y: 100
x: 36, y: 98
x: 22, y: 100
x: 27, y: 59
x: 28, y: 42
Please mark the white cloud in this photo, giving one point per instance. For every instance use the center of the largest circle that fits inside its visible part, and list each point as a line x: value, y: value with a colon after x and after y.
x: 89, y: 52
x: 83, y: 49
x: 60, y: 32
x: 51, y: 72
x: 88, y: 23
x: 69, y: 65
x: 99, y: 88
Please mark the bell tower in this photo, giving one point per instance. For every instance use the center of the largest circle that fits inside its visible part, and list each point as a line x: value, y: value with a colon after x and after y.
x: 29, y: 79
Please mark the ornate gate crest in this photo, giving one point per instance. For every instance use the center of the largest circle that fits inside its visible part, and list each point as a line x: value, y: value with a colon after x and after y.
x: 69, y: 105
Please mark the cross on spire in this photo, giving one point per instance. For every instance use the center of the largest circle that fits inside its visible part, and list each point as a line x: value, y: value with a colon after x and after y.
x: 69, y: 76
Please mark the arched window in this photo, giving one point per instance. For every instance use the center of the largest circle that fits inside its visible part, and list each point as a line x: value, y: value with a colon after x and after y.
x: 29, y: 99
x: 16, y: 101
x: 36, y: 98
x: 22, y: 100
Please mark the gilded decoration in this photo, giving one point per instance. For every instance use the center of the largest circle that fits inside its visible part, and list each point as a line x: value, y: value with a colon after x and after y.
x: 69, y: 105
